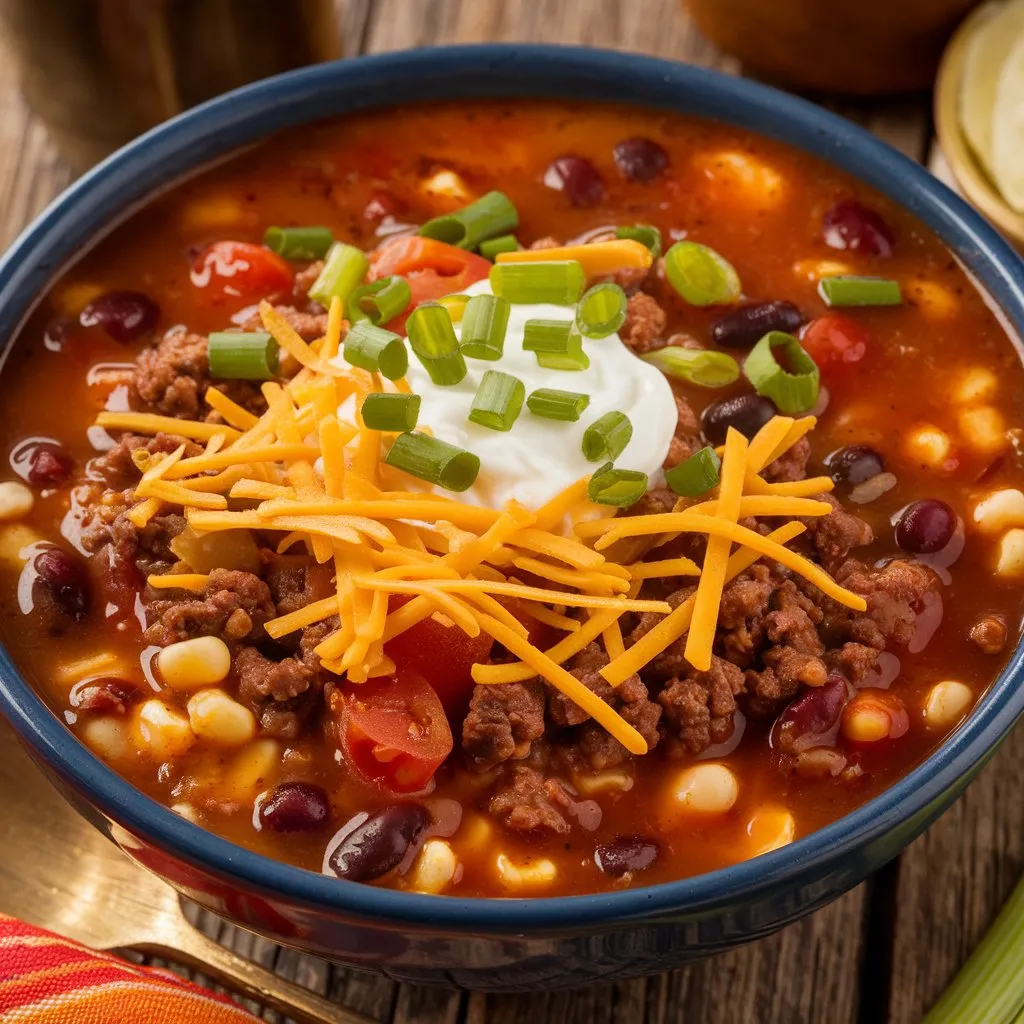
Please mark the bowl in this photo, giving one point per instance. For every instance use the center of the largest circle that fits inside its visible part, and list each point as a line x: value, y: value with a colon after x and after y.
x: 478, y: 943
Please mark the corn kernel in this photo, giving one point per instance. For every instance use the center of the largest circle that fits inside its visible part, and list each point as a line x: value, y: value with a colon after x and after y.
x: 253, y: 769
x: 186, y: 811
x: 934, y: 300
x: 446, y: 184
x: 191, y: 664
x: 1011, y: 554
x: 106, y: 735
x: 475, y: 833
x: 216, y: 718
x: 16, y: 500
x: 164, y: 731
x: 769, y: 829
x: 612, y: 781
x: 928, y: 445
x: 866, y: 722
x: 947, y: 702
x: 538, y: 872
x: 977, y: 385
x: 16, y: 541
x: 70, y: 299
x: 1000, y: 510
x: 209, y: 213
x: 815, y: 270
x: 435, y: 867
x: 984, y: 428
x: 707, y: 788
x: 746, y: 176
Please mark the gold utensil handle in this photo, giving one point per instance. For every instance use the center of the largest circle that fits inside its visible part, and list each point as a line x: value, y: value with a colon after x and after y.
x: 191, y: 948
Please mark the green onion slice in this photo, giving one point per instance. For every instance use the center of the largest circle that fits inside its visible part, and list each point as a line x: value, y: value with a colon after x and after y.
x: 781, y: 370
x: 601, y: 311
x: 859, y: 291
x: 484, y: 323
x: 547, y: 335
x: 700, y: 275
x: 487, y: 217
x: 456, y: 306
x: 557, y: 405
x: 235, y: 355
x: 344, y: 267
x: 432, y: 337
x: 490, y: 247
x: 701, y: 366
x: 498, y: 401
x: 696, y: 475
x: 310, y: 243
x: 618, y: 487
x: 391, y: 411
x: 558, y: 281
x: 647, y: 234
x: 607, y: 437
x: 436, y: 461
x: 372, y: 348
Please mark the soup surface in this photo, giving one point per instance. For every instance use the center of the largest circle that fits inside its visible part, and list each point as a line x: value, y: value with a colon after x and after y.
x: 445, y: 644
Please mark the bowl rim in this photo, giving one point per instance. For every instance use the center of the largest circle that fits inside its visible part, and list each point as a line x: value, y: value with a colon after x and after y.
x: 223, y: 125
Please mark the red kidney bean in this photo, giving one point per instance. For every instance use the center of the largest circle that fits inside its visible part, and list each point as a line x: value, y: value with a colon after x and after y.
x: 640, y: 159
x: 124, y: 315
x: 294, y: 807
x: 65, y: 579
x: 105, y: 695
x: 816, y: 710
x: 626, y: 853
x: 854, y: 464
x: 746, y: 326
x: 42, y: 462
x: 377, y: 842
x: 852, y: 225
x: 747, y: 413
x: 926, y: 526
x: 578, y: 178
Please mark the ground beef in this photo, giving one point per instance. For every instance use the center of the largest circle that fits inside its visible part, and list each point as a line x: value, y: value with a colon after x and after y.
x: 792, y: 465
x: 855, y: 661
x: 699, y: 707
x: 645, y: 322
x: 304, y: 280
x: 836, y: 534
x: 287, y: 582
x: 527, y: 802
x: 686, y: 439
x: 656, y: 500
x: 308, y: 326
x: 741, y: 618
x: 547, y: 242
x: 503, y: 722
x: 116, y: 466
x: 259, y: 677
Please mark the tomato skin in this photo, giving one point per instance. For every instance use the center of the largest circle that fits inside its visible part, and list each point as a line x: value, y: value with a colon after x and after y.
x: 393, y: 730
x: 834, y: 339
x: 239, y: 270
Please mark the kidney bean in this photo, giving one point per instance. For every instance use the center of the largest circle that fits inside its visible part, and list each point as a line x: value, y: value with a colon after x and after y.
x: 577, y: 177
x: 852, y: 225
x: 378, y: 842
x: 124, y: 315
x: 294, y: 807
x: 640, y: 159
x: 65, y: 579
x: 926, y: 526
x: 746, y: 326
x: 747, y: 413
x: 42, y: 462
x: 626, y: 853
x: 854, y: 464
x: 106, y: 695
x: 816, y: 710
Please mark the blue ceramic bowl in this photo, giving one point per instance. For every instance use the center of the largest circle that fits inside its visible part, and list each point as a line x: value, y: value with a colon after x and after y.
x: 501, y: 944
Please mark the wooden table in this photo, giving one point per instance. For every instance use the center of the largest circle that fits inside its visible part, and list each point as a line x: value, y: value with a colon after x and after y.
x: 879, y: 955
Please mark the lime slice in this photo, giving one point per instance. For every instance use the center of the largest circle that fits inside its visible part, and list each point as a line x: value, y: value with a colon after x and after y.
x: 1000, y: 26
x: 1008, y: 128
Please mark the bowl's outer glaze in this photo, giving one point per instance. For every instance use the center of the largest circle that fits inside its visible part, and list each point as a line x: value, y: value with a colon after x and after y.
x: 500, y: 944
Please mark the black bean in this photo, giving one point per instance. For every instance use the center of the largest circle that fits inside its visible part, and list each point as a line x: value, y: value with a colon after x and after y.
x: 746, y: 326
x: 852, y: 225
x: 925, y: 527
x: 640, y: 159
x: 124, y: 315
x: 379, y: 842
x: 626, y: 853
x: 747, y: 413
x: 294, y: 807
x: 854, y: 464
x: 578, y: 178
x: 42, y: 462
x: 65, y: 579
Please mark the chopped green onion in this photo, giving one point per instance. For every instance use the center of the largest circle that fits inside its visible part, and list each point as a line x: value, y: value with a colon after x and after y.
x: 235, y: 355
x: 845, y: 290
x: 490, y: 215
x: 484, y: 323
x: 547, y: 335
x: 432, y: 337
x: 309, y: 243
x: 607, y: 437
x: 700, y: 275
x: 391, y: 411
x: 498, y: 401
x: 436, y: 461
x: 344, y: 267
x: 645, y: 233
x: 378, y: 301
x: 601, y: 311
x: 696, y: 475
x: 618, y: 487
x: 558, y: 281
x: 557, y: 405
x: 701, y: 366
x: 790, y: 381
x: 353, y: 304
x: 456, y: 306
x: 503, y: 243
x: 374, y: 349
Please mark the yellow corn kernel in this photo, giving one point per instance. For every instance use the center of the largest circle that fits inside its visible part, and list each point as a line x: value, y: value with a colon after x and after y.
x: 164, y: 731
x: 16, y: 500
x: 252, y: 770
x: 192, y: 664
x: 106, y: 735
x: 516, y: 876
x: 1011, y: 554
x: 186, y: 811
x: 217, y: 718
x: 434, y: 869
x: 102, y: 664
x: 70, y: 299
x: 769, y: 829
x: 612, y: 781
x: 936, y: 301
x: 984, y: 428
x: 978, y: 384
x: 475, y: 833
x: 815, y: 270
x: 707, y: 788
x: 866, y: 722
x: 16, y: 542
x: 446, y: 184
x: 928, y: 445
x: 209, y: 213
x: 746, y: 176
x: 1001, y: 509
x: 947, y: 702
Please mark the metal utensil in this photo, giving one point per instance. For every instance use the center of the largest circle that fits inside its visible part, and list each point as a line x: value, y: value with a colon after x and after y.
x: 59, y: 873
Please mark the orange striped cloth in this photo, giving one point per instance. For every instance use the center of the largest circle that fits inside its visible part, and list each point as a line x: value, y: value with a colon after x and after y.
x: 45, y: 979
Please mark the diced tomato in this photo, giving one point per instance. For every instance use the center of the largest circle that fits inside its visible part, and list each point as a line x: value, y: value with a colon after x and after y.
x: 238, y: 270
x: 432, y: 269
x: 394, y: 730
x: 834, y: 339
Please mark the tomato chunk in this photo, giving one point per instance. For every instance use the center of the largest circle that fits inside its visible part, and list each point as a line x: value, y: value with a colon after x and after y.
x: 394, y: 730
x: 835, y: 339
x: 239, y: 270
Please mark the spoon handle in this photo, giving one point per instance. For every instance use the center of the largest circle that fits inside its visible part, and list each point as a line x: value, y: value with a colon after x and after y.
x: 183, y: 944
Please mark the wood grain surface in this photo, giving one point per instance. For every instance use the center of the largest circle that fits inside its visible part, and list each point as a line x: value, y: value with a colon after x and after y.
x: 881, y: 954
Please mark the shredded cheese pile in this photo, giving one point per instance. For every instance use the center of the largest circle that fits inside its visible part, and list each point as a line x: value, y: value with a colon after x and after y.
x: 316, y: 480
